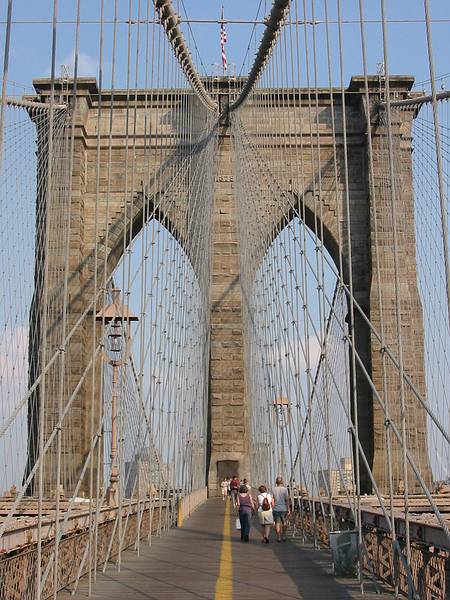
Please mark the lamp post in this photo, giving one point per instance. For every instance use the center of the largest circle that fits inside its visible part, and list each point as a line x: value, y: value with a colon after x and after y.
x: 283, y: 412
x: 115, y: 314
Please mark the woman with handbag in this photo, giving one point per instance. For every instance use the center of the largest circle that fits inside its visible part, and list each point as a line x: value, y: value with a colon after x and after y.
x: 245, y: 506
x: 265, y: 514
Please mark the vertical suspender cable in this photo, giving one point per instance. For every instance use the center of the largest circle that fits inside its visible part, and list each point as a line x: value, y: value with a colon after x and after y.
x: 92, y: 549
x: 98, y: 498
x: 380, y: 299
x: 143, y: 293
x: 42, y: 399
x: 354, y: 397
x: 437, y: 140
x: 64, y: 310
x: 397, y: 287
x: 5, y: 77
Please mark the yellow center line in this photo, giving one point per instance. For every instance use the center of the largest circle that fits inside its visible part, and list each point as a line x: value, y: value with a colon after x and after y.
x: 224, y: 584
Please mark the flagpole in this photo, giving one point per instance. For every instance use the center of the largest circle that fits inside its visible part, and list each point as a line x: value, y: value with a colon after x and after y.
x: 222, y: 29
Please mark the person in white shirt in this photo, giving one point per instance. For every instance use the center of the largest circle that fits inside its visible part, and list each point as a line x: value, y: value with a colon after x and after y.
x: 265, y: 515
x: 224, y: 488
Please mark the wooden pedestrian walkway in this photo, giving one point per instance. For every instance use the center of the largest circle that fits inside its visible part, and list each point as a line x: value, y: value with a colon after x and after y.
x: 205, y: 559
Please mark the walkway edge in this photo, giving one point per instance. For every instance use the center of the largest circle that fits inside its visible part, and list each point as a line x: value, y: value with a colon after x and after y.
x: 188, y: 504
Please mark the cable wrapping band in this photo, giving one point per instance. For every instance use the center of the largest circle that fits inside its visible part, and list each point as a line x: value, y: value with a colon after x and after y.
x: 23, y: 103
x: 169, y: 21
x: 417, y: 100
x: 273, y: 27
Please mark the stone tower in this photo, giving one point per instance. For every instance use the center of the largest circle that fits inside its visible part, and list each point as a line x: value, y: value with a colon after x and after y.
x: 229, y: 435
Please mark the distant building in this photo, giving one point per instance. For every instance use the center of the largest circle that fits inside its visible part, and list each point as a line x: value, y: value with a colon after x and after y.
x: 346, y: 464
x: 329, y: 480
x: 339, y: 481
x: 347, y: 476
x: 137, y: 477
x: 151, y: 474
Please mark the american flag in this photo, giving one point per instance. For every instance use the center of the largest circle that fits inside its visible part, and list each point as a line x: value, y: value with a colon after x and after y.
x: 223, y: 39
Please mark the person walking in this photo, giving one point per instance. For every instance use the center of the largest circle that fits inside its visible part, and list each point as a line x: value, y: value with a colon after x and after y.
x: 224, y: 488
x: 281, y: 509
x: 245, y: 507
x: 265, y: 515
x: 234, y: 487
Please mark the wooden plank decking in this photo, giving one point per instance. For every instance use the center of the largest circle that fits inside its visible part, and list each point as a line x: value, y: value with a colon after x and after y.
x: 185, y: 564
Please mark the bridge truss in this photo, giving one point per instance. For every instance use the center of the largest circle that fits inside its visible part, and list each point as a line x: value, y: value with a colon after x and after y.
x: 341, y: 213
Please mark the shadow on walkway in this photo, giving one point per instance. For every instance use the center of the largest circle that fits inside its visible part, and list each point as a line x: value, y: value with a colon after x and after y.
x: 184, y: 564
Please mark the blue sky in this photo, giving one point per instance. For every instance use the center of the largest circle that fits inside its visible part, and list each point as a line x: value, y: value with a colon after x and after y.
x: 30, y: 52
x: 31, y: 42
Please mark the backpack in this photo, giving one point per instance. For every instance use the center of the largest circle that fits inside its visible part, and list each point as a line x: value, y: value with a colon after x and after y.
x: 265, y: 505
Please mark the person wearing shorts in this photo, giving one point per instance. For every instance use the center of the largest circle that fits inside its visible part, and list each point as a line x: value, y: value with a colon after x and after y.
x: 224, y: 488
x: 281, y: 509
x: 265, y: 517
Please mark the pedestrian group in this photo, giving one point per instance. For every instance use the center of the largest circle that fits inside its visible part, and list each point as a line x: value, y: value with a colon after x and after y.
x: 272, y: 508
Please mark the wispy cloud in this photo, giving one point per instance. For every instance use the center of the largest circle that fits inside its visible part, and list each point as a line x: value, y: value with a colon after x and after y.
x: 87, y: 65
x: 291, y: 355
x: 13, y: 386
x: 13, y: 367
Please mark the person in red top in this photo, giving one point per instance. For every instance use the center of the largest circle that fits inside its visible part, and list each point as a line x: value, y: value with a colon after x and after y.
x: 234, y: 487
